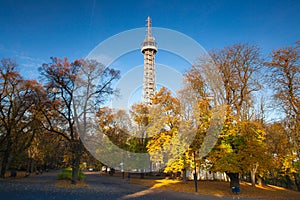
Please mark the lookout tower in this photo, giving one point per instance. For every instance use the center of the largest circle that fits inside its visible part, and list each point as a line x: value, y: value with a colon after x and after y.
x: 149, y: 49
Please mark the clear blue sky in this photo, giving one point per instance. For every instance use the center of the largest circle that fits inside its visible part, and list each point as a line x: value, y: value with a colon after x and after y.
x: 31, y: 31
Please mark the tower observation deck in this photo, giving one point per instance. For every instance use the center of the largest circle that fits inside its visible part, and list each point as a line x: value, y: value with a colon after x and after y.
x: 149, y: 49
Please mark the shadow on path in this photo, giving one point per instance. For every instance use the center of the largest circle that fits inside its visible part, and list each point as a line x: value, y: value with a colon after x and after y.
x: 100, y: 187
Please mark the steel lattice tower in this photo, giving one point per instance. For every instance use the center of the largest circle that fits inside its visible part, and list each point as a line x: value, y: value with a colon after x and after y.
x: 149, y: 48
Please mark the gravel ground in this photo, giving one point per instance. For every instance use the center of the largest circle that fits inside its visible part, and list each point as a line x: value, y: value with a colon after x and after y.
x: 100, y: 187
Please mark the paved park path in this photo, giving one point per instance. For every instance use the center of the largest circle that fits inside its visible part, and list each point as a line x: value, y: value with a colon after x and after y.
x: 99, y: 187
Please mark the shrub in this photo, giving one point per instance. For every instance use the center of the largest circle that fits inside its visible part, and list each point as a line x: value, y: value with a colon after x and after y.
x: 66, y: 174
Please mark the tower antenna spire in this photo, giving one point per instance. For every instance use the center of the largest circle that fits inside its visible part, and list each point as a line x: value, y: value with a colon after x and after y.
x: 149, y: 33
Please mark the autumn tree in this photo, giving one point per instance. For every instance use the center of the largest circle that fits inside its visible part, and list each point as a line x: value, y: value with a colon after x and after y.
x: 166, y: 141
x: 116, y: 125
x: 141, y: 120
x: 149, y: 129
x: 195, y: 113
x: 285, y: 80
x: 278, y: 145
x: 238, y: 67
x: 47, y: 151
x: 74, y: 91
x: 119, y: 143
x: 253, y: 152
x: 19, y: 100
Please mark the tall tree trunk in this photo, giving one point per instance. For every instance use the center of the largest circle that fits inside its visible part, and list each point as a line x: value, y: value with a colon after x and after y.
x: 76, y: 155
x: 75, y: 172
x: 4, y: 164
x: 297, y: 180
x: 184, y: 175
x: 142, y: 175
x: 260, y: 180
x: 289, y: 182
x: 252, y: 174
x: 5, y: 160
x: 234, y: 179
x: 29, y: 166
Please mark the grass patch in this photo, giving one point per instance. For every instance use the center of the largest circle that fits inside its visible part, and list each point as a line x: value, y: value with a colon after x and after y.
x: 66, y: 174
